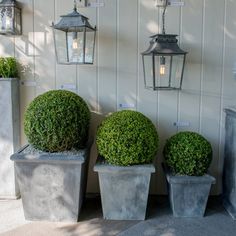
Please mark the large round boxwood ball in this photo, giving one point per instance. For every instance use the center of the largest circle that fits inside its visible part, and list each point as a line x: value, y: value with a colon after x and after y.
x: 188, y: 153
x: 56, y: 121
x: 127, y: 138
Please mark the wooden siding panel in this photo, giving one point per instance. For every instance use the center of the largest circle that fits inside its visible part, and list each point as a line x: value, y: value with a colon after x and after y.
x: 207, y: 31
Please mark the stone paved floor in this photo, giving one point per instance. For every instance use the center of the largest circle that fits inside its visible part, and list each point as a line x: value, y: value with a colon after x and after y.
x: 159, y: 222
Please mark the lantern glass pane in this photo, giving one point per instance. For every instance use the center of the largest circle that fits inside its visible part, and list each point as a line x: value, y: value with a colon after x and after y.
x: 2, y: 18
x: 60, y: 46
x: 177, y: 69
x: 9, y: 19
x: 6, y: 20
x: 162, y: 71
x: 89, y: 48
x: 17, y: 21
x: 148, y: 71
x: 75, y: 45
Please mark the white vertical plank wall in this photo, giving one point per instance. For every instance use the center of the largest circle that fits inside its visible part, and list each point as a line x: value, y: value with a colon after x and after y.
x: 44, y: 14
x: 206, y: 29
x: 24, y: 52
x: 211, y: 79
x: 127, y: 54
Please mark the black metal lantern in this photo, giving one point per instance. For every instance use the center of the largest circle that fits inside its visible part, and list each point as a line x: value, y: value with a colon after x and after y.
x: 74, y: 39
x: 10, y: 18
x: 164, y: 62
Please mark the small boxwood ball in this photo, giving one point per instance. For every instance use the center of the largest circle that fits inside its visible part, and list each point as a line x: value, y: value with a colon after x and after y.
x: 188, y: 153
x: 127, y: 138
x: 57, y: 121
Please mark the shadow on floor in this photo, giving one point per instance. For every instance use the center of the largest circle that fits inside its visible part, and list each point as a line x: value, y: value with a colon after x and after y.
x: 159, y: 222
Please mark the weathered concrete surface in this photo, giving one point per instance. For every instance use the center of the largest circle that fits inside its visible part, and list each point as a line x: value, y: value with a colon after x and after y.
x: 52, y: 185
x: 9, y: 136
x: 124, y: 190
x: 160, y: 222
x: 188, y: 194
x: 11, y: 215
x: 229, y: 176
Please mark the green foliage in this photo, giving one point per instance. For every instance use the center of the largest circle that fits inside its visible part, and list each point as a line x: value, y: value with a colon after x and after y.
x: 8, y: 67
x: 56, y: 121
x: 127, y: 138
x: 188, y: 153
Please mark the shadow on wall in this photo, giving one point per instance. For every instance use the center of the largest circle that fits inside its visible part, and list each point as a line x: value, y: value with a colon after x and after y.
x: 36, y: 48
x: 92, y: 184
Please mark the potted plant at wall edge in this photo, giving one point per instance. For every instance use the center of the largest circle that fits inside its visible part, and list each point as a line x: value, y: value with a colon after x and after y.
x: 9, y: 126
x: 127, y: 143
x: 188, y: 156
x: 52, y: 170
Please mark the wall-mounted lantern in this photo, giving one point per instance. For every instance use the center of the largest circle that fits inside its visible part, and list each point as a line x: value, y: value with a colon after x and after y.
x: 74, y: 39
x: 163, y: 61
x: 10, y: 18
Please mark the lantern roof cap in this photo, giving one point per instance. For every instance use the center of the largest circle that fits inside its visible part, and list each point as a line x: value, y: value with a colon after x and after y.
x: 75, y: 13
x: 164, y: 44
x: 72, y: 22
x: 8, y: 3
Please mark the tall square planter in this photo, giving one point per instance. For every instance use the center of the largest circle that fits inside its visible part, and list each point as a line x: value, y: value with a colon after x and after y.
x: 188, y: 195
x: 9, y: 136
x: 52, y: 185
x: 124, y: 190
x: 229, y: 176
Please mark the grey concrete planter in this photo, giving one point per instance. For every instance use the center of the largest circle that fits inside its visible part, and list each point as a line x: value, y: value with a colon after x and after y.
x: 229, y: 176
x: 9, y: 136
x: 124, y: 190
x: 188, y: 194
x: 52, y: 185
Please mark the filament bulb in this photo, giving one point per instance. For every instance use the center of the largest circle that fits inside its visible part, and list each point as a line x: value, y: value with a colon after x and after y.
x: 162, y: 70
x: 75, y: 41
x: 75, y: 44
x: 162, y: 66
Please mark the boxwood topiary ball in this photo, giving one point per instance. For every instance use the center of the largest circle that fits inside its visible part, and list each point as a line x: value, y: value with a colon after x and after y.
x: 127, y: 138
x: 56, y: 121
x: 188, y: 153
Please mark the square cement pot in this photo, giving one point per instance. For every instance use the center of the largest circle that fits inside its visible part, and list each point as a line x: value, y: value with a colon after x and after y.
x: 124, y: 190
x: 9, y: 136
x: 229, y: 176
x: 52, y: 185
x: 188, y: 195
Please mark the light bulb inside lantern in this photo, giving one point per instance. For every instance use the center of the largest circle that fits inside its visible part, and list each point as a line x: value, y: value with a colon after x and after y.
x: 75, y: 44
x: 75, y: 41
x: 162, y: 70
x: 162, y: 66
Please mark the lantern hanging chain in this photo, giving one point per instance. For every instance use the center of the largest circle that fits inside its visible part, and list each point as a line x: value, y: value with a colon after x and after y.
x: 75, y: 5
x: 163, y: 18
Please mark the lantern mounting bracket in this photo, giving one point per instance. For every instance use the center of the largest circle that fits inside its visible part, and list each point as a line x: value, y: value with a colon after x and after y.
x: 90, y: 3
x: 172, y: 3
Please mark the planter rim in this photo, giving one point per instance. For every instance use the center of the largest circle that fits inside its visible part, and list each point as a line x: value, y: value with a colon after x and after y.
x: 230, y: 111
x: 185, y: 179
x: 78, y: 158
x: 104, y: 167
x: 8, y: 79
